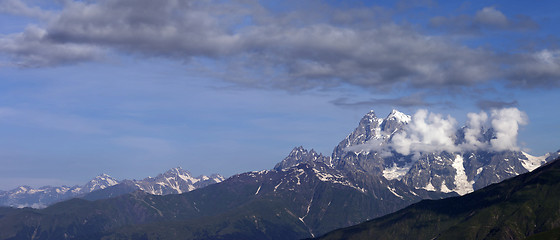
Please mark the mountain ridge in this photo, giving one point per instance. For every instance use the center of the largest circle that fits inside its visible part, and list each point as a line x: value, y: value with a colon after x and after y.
x: 173, y: 181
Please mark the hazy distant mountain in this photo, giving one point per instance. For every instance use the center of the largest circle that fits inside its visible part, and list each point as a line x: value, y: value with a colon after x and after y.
x: 174, y: 181
x: 513, y: 209
x: 26, y: 196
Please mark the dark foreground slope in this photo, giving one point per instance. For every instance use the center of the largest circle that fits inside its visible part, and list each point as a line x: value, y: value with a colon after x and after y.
x: 513, y: 209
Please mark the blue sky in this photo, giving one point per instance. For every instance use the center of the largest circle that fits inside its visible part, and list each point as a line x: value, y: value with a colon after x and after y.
x: 135, y: 87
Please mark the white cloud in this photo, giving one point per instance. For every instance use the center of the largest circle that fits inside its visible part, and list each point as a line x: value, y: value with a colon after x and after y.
x: 505, y: 123
x: 427, y: 132
x: 473, y: 130
x: 492, y: 17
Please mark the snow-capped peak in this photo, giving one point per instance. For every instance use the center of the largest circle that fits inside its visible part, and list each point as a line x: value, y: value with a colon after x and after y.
x: 178, y: 171
x: 103, y: 176
x: 101, y: 182
x: 399, y: 116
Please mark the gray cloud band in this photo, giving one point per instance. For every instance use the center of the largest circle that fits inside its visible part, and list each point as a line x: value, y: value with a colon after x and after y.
x: 290, y: 51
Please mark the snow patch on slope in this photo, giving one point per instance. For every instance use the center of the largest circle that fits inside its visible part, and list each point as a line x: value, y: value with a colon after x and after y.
x: 392, y: 190
x: 336, y: 179
x: 444, y: 187
x: 462, y: 185
x: 532, y: 162
x: 429, y: 187
x: 396, y: 172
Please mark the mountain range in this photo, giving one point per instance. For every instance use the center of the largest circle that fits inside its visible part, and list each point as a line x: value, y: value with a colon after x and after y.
x: 305, y: 195
x: 174, y: 181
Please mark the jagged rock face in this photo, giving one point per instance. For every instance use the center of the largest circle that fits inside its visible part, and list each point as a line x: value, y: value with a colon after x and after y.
x: 300, y: 155
x: 431, y: 172
x: 462, y: 172
x: 465, y: 172
x: 485, y: 168
x: 371, y: 130
x: 175, y: 181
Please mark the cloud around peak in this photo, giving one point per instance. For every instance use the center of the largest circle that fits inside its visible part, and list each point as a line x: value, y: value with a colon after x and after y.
x: 427, y: 132
x: 505, y: 123
x: 431, y: 132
